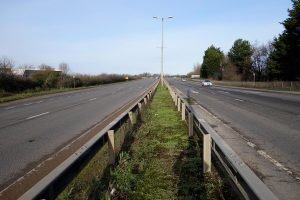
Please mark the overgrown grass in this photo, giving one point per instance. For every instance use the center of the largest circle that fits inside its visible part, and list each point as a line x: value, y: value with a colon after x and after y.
x: 157, y: 161
x: 163, y: 163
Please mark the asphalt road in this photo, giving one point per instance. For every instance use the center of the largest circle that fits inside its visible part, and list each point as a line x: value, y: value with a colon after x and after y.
x: 31, y: 130
x: 269, y: 120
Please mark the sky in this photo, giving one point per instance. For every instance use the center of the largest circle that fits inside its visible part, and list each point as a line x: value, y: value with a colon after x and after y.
x: 121, y: 36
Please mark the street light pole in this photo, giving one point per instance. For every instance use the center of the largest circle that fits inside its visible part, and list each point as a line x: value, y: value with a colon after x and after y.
x: 162, y: 49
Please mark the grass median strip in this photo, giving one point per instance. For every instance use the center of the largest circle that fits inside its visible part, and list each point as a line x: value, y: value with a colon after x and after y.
x: 162, y: 163
x: 157, y: 161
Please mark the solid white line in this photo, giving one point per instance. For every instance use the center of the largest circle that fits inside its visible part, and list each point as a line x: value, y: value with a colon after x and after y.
x: 239, y: 100
x: 275, y: 162
x: 8, y: 108
x: 45, y: 113
x: 93, y: 99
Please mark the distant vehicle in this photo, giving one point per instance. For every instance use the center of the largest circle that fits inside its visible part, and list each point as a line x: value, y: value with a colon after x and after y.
x: 206, y: 83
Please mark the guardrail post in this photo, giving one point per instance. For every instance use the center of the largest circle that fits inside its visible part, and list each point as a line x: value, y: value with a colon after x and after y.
x: 132, y: 117
x: 111, y: 146
x: 140, y: 107
x: 175, y: 100
x: 183, y: 111
x: 145, y: 100
x: 206, y: 153
x: 191, y: 124
x: 178, y: 104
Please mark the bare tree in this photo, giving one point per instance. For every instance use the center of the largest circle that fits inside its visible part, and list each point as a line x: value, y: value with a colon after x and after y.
x: 45, y: 67
x: 260, y: 59
x: 6, y: 63
x: 64, y: 67
x: 197, y: 68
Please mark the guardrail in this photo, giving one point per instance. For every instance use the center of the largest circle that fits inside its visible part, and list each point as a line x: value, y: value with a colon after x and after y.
x: 242, y: 177
x: 52, y: 184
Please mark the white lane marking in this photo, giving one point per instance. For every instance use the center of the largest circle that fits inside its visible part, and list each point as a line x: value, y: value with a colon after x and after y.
x: 35, y: 116
x: 92, y: 99
x: 39, y: 102
x: 8, y: 108
x: 27, y: 104
x: 251, y: 144
x: 195, y: 92
x: 275, y: 162
x: 241, y: 100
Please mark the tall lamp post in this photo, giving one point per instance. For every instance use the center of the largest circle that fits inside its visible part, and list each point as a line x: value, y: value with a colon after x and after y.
x: 162, y: 47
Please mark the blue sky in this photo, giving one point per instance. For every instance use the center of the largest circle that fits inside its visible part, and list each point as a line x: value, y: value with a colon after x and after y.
x: 120, y: 36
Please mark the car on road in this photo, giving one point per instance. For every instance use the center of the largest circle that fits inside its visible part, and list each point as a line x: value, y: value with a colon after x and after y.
x: 206, y: 83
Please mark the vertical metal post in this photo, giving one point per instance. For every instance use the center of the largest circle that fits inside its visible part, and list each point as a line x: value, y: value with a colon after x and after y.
x: 162, y: 52
x: 175, y: 100
x: 145, y: 100
x: 140, y: 107
x: 111, y: 146
x: 206, y: 153
x: 191, y: 124
x: 132, y: 117
x: 178, y: 104
x: 183, y: 111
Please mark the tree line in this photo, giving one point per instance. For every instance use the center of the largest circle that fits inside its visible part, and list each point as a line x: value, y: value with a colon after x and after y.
x: 276, y: 60
x: 48, y: 78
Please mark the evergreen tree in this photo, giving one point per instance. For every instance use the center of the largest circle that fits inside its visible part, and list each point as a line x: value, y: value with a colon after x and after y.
x: 212, y: 62
x: 284, y: 62
x: 240, y: 55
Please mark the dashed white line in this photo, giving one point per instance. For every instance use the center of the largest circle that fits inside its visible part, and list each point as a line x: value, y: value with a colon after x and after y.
x: 27, y: 104
x: 195, y: 92
x: 8, y: 108
x: 241, y: 100
x: 92, y: 99
x: 39, y: 102
x: 39, y: 115
x: 251, y: 144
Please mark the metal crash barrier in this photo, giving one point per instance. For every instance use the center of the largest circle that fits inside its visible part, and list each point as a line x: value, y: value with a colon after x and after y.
x: 242, y: 177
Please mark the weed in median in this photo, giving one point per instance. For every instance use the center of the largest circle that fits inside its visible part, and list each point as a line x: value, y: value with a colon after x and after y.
x: 158, y: 161
x: 163, y: 163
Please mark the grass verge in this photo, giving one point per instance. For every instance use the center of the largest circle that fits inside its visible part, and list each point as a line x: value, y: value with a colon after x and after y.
x: 157, y: 161
x: 163, y: 163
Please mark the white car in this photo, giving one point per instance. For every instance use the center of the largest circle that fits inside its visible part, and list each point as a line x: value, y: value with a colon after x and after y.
x: 206, y: 83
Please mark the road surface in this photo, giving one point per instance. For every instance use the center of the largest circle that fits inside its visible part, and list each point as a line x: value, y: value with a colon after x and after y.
x: 33, y: 129
x: 268, y: 121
